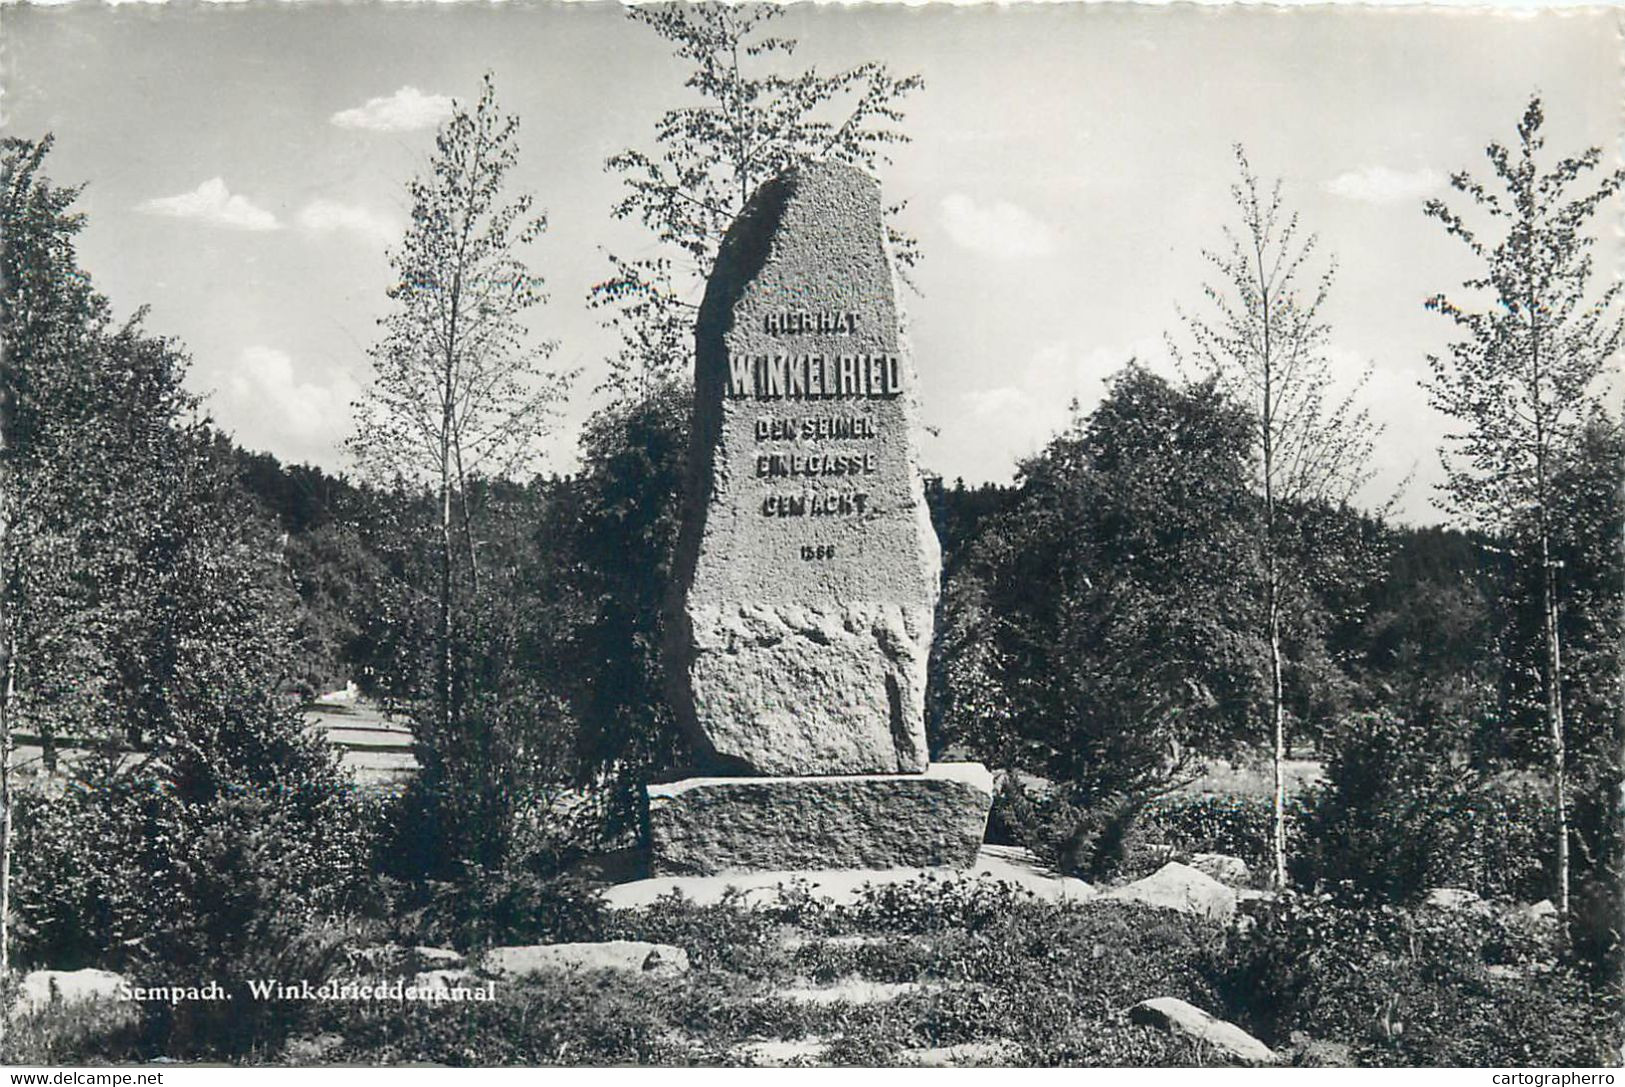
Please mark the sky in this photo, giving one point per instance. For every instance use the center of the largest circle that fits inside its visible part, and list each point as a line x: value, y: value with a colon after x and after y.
x: 246, y: 166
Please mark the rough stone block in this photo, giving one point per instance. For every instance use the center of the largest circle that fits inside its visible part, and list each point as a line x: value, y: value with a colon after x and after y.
x: 707, y: 826
x: 1178, y: 1017
x: 1180, y: 887
x: 40, y: 987
x: 807, y: 569
x: 621, y: 956
x: 1231, y: 871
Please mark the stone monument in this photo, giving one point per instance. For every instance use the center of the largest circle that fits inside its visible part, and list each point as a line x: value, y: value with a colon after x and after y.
x: 807, y: 567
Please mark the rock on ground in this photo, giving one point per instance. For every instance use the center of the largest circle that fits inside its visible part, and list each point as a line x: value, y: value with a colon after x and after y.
x: 39, y: 987
x: 1229, y: 870
x: 1178, y: 1017
x: 852, y: 991
x: 1541, y: 919
x: 625, y: 956
x: 1455, y: 899
x: 1180, y: 887
x: 1542, y: 912
x: 996, y: 1054
x: 401, y: 961
x: 433, y: 980
x: 1013, y: 864
x: 437, y: 958
x: 773, y: 1053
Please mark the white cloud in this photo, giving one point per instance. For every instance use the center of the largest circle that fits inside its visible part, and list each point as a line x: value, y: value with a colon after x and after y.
x: 406, y: 110
x: 212, y: 203
x: 271, y: 406
x: 1383, y: 185
x: 998, y: 229
x: 331, y: 217
x: 1004, y: 400
x: 1017, y: 419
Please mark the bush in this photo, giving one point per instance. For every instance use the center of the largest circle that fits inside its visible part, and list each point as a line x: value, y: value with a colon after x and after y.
x: 255, y: 878
x: 1400, y: 814
x: 1411, y: 987
x: 592, y: 1019
x: 83, y: 887
x: 94, y: 1032
x: 486, y: 909
x: 1239, y: 826
x: 1095, y: 841
x: 929, y: 904
x: 196, y: 867
x: 728, y: 934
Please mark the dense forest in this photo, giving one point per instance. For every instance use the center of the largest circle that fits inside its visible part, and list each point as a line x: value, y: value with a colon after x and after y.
x: 1146, y: 599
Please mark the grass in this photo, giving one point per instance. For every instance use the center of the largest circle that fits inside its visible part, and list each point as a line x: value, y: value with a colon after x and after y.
x: 1036, y: 983
x: 968, y: 962
x: 1051, y: 983
x: 1035, y: 979
x: 1254, y: 779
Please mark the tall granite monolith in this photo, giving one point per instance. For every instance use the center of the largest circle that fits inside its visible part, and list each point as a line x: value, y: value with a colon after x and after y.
x: 807, y: 570
x: 808, y: 566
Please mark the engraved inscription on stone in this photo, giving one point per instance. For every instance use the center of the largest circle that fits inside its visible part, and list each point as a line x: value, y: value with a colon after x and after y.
x: 807, y: 568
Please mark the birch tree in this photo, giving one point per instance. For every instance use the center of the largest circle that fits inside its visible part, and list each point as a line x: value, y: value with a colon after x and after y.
x: 1266, y: 342
x: 755, y: 118
x: 460, y: 392
x: 1524, y: 378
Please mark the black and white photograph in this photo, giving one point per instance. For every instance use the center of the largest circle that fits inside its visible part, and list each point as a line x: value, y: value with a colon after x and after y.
x: 988, y: 535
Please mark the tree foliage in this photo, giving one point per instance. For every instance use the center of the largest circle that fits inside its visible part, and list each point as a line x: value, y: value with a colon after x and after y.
x: 1266, y: 348
x: 145, y: 621
x: 1524, y: 378
x: 459, y: 390
x: 754, y: 118
x: 459, y: 402
x: 1090, y: 634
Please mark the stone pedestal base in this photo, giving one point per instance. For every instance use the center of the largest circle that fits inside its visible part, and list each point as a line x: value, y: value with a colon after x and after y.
x: 708, y: 826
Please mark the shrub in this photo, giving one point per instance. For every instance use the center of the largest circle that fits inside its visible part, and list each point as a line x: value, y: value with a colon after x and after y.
x: 1239, y: 826
x: 589, y: 1019
x: 729, y: 934
x: 1410, y: 987
x: 485, y: 909
x: 1400, y: 814
x: 84, y: 892
x: 94, y: 1032
x: 1095, y: 841
x: 205, y: 864
x: 929, y: 904
x: 254, y: 884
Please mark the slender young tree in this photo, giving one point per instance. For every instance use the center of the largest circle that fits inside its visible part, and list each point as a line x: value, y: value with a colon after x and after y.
x: 460, y: 391
x: 1266, y: 344
x: 1524, y: 377
x: 755, y: 118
